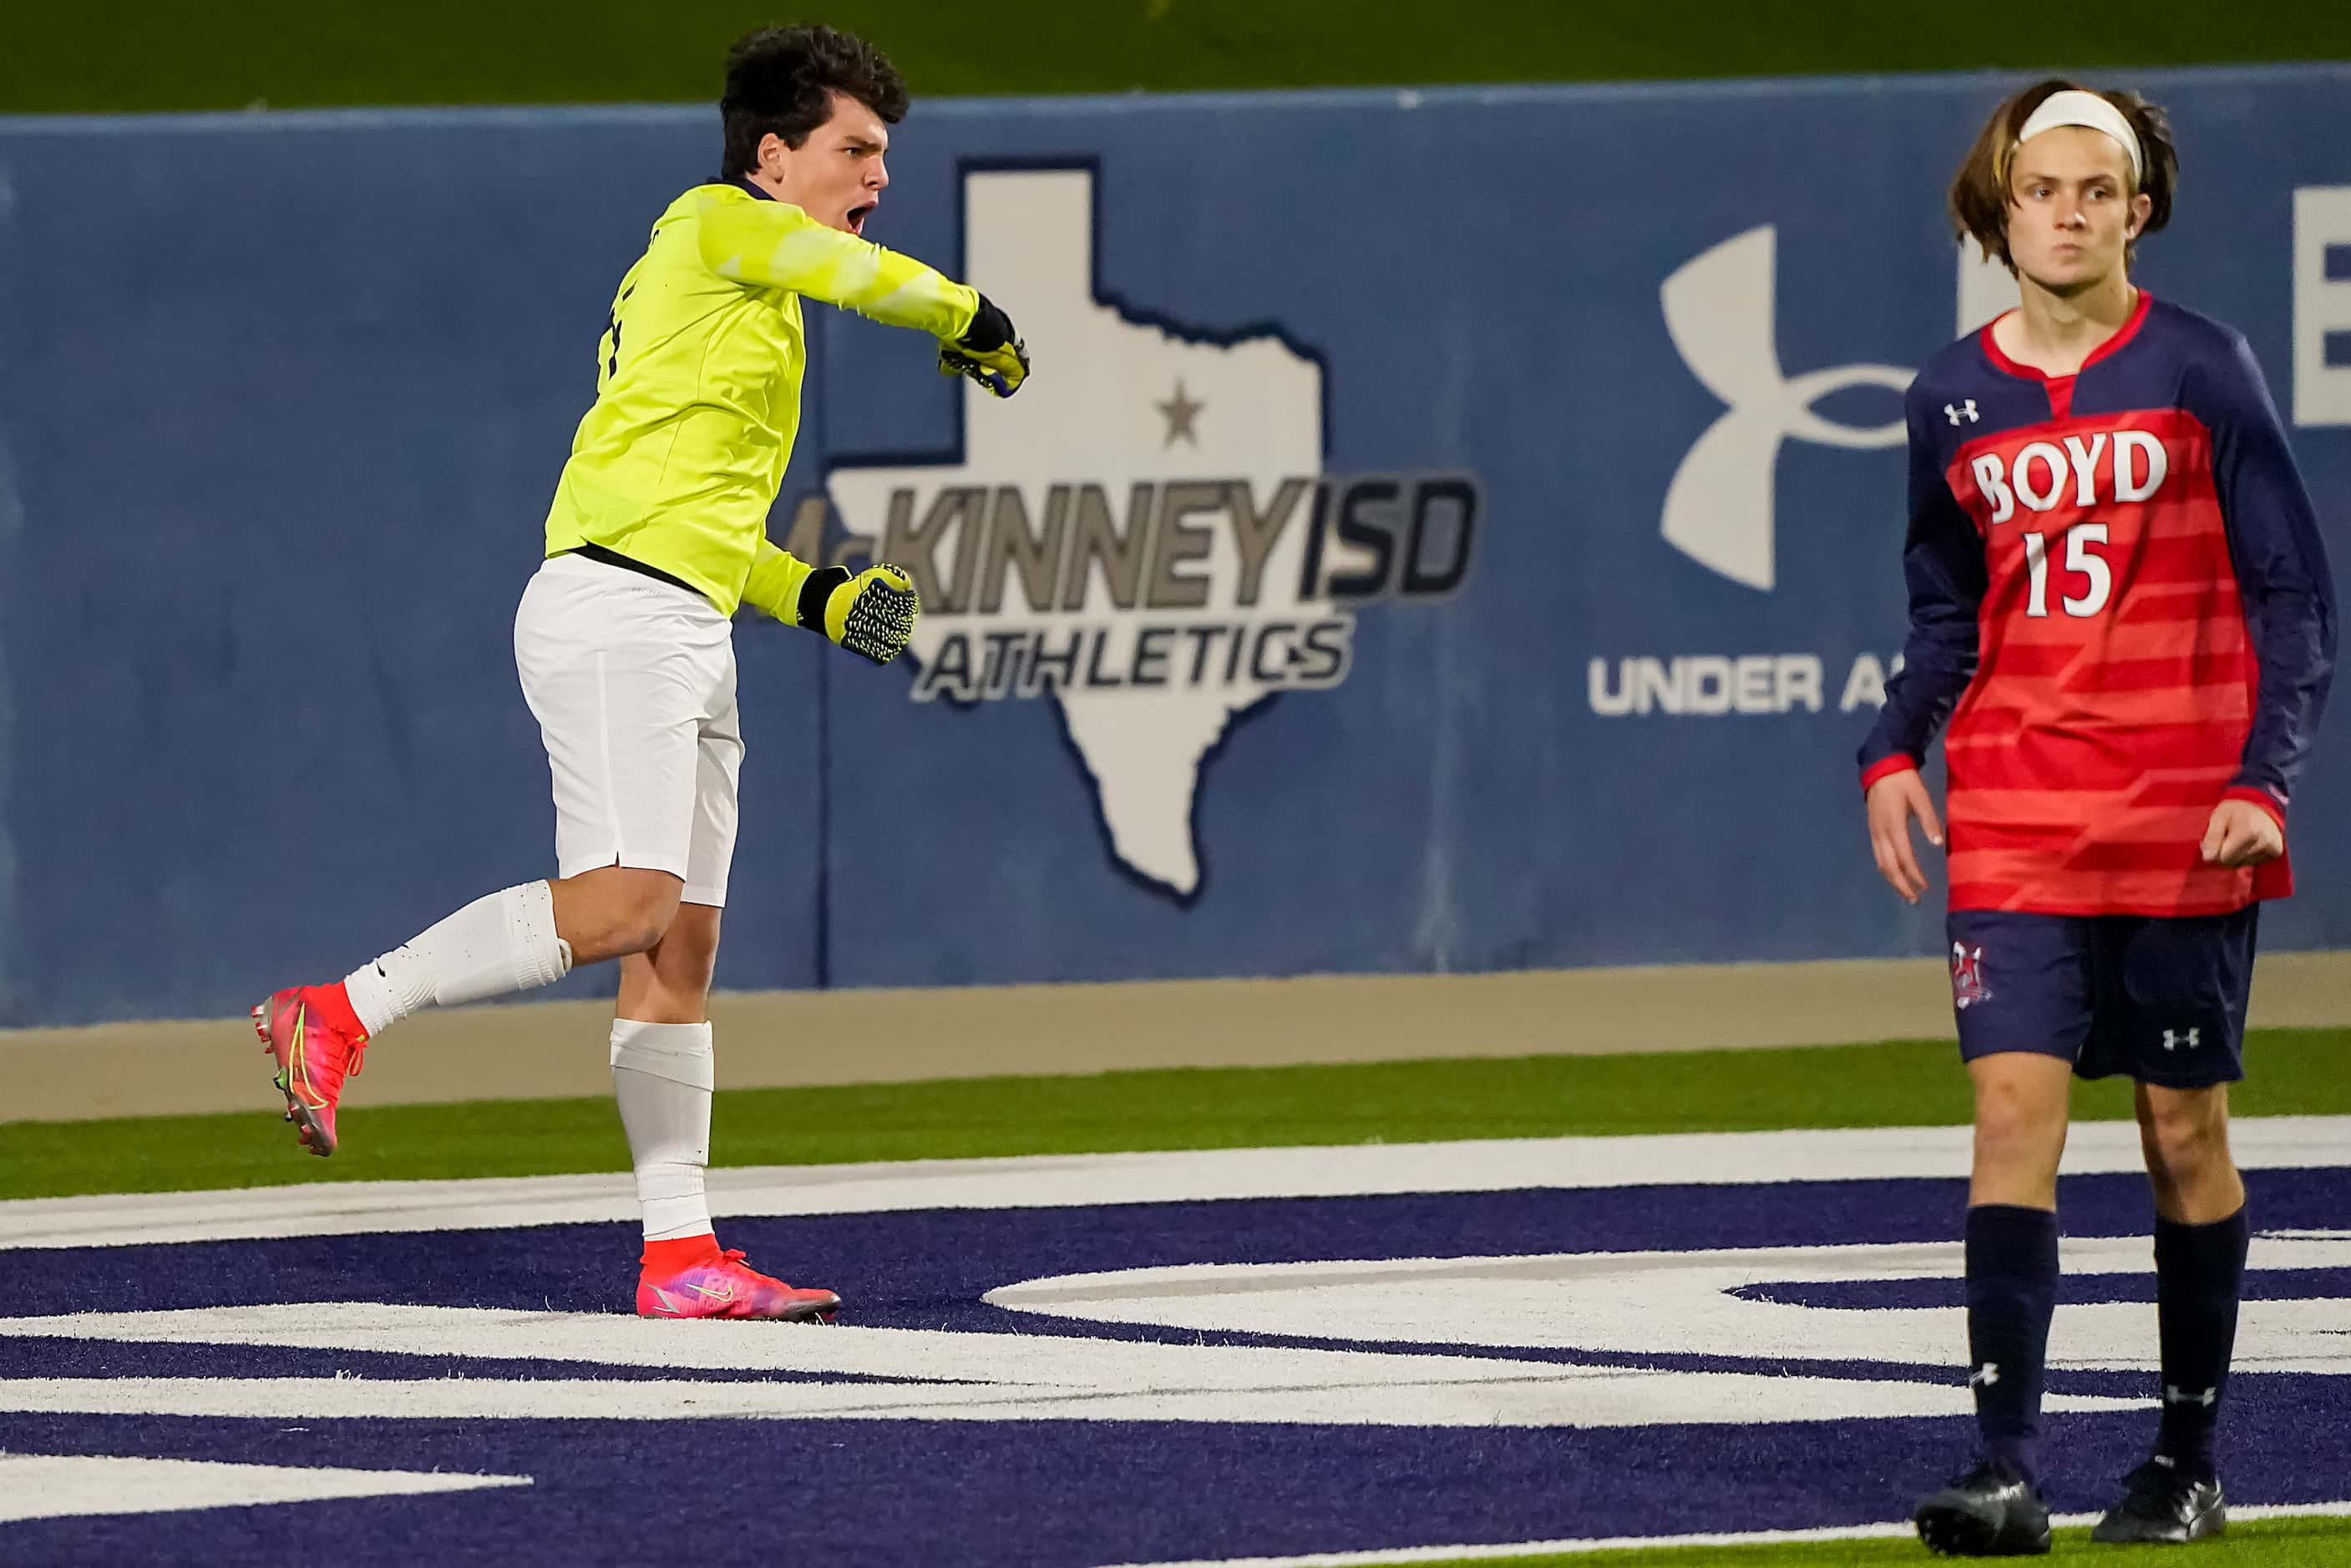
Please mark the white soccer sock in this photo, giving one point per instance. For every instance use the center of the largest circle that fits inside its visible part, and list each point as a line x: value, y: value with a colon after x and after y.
x: 662, y: 1074
x: 493, y: 947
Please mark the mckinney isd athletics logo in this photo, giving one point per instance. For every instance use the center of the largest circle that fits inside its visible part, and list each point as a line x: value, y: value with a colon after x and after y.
x: 1146, y: 535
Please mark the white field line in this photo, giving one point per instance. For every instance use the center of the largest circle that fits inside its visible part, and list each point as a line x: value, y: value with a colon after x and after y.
x: 1047, y: 1181
x: 77, y: 1486
x: 1614, y: 1398
x: 1654, y: 1543
x: 954, y: 1376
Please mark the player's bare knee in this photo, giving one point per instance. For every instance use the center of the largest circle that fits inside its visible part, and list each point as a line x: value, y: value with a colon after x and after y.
x: 615, y: 910
x: 643, y: 919
x: 634, y: 934
x: 687, y: 954
x: 2014, y: 1122
x: 2017, y: 1161
x: 2185, y: 1137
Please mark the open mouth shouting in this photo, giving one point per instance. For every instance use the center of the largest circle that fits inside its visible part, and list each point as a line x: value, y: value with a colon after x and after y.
x: 858, y: 214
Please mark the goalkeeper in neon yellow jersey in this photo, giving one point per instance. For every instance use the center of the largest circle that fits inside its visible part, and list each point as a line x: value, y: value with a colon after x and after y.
x: 657, y: 536
x: 698, y: 374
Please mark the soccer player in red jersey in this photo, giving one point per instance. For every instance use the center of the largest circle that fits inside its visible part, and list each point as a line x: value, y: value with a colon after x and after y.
x: 2119, y: 600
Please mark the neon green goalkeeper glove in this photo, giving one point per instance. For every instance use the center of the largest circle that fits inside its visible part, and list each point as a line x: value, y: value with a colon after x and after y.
x: 871, y: 614
x: 989, y: 352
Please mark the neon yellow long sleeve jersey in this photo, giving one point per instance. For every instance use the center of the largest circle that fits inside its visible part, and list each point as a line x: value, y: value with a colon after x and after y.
x: 698, y: 388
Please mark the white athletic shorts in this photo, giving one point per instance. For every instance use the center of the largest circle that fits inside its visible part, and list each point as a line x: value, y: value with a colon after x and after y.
x: 632, y: 682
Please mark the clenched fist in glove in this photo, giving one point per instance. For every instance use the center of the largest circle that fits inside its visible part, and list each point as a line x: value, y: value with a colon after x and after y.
x: 870, y: 613
x: 989, y: 352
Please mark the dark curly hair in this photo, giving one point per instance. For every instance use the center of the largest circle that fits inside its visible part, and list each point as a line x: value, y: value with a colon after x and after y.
x: 781, y: 82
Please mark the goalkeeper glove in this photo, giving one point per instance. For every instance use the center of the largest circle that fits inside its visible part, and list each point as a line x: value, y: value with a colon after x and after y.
x: 870, y: 613
x: 989, y: 352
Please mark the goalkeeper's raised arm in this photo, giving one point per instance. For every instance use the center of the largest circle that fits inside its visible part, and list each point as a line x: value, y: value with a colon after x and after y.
x: 825, y: 177
x: 778, y: 244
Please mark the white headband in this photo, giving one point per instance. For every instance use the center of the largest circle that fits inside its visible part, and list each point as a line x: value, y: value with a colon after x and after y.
x: 2088, y: 110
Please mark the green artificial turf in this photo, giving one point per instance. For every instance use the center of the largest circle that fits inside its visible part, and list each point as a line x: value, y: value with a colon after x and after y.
x: 1890, y: 1085
x: 2273, y: 1543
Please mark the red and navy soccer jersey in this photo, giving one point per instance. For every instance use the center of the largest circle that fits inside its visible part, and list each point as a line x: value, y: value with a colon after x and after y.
x: 2117, y: 578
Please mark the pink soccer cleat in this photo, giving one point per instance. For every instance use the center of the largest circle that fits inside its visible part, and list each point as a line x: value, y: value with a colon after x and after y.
x: 318, y: 1041
x: 719, y: 1284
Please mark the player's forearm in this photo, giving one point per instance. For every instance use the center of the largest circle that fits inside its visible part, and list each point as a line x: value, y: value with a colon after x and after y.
x: 774, y: 586
x: 905, y: 292
x: 2282, y: 570
x: 776, y: 246
x: 1938, y: 662
x: 1934, y: 678
x: 2295, y: 645
x: 1942, y: 565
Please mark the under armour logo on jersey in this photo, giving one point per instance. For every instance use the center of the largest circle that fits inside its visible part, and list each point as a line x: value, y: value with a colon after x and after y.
x: 1984, y: 1377
x: 2172, y: 1395
x: 1963, y: 410
x: 2173, y: 1040
x: 1720, y: 309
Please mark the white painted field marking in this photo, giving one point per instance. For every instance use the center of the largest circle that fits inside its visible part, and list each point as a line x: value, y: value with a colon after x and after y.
x: 1618, y: 1399
x: 1687, y: 1303
x: 950, y: 1377
x: 74, y: 1486
x: 1046, y: 1181
x: 1634, y: 1304
x: 1621, y: 1543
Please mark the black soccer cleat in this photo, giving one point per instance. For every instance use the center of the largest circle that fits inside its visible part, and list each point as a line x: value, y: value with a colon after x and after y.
x: 1991, y: 1511
x: 2160, y: 1504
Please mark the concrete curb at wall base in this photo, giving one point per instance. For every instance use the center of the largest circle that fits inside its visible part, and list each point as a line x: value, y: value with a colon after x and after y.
x: 548, y: 1050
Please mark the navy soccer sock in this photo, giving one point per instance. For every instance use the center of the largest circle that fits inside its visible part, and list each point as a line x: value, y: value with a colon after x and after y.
x: 2012, y: 1291
x: 2200, y: 1273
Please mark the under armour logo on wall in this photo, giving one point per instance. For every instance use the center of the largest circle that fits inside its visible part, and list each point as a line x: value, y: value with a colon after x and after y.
x: 1721, y: 311
x: 1964, y: 409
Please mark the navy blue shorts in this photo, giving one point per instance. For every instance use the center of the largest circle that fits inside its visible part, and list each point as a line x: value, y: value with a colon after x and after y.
x: 2158, y: 999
